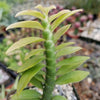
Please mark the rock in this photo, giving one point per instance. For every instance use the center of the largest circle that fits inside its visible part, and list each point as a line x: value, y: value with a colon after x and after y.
x: 63, y: 90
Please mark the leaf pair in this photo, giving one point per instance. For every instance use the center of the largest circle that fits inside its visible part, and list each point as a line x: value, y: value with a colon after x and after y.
x: 33, y: 95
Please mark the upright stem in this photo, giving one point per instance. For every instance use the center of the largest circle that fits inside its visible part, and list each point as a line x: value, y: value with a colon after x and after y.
x: 50, y: 61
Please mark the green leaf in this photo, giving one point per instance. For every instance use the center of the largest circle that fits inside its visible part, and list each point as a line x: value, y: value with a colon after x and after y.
x: 36, y: 83
x: 31, y: 63
x: 60, y: 32
x: 45, y: 10
x: 39, y: 77
x: 72, y: 60
x: 24, y: 42
x: 26, y: 24
x: 51, y: 18
x: 34, y: 52
x: 67, y: 51
x: 49, y: 8
x: 70, y: 64
x: 62, y: 18
x: 58, y: 97
x: 61, y: 46
x: 31, y: 13
x: 13, y: 67
x: 27, y: 76
x: 72, y: 77
x: 41, y: 73
x: 27, y: 95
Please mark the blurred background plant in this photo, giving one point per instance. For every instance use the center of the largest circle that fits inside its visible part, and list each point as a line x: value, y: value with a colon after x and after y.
x: 89, y: 6
x: 5, y: 17
x: 13, y: 59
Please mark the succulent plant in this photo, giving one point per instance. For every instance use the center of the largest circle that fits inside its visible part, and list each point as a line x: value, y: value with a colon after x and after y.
x: 62, y: 72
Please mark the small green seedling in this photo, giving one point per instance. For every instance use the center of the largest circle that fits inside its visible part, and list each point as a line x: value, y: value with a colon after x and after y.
x: 62, y: 72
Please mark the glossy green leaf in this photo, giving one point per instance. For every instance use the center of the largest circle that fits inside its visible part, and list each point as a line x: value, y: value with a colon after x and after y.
x: 52, y: 17
x: 63, y: 45
x: 26, y: 24
x: 36, y: 83
x: 58, y: 97
x: 60, y: 32
x: 72, y: 60
x: 27, y: 76
x: 72, y: 77
x: 45, y: 10
x: 27, y: 95
x: 70, y: 64
x: 67, y: 51
x: 31, y: 13
x: 31, y: 63
x: 34, y: 52
x: 24, y: 42
x: 62, y: 18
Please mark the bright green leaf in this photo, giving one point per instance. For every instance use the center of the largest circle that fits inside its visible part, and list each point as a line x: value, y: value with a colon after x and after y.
x: 51, y: 18
x: 36, y: 83
x: 61, y: 46
x: 60, y: 32
x: 34, y: 52
x: 58, y: 97
x: 27, y: 76
x: 27, y: 95
x: 31, y: 63
x: 62, y: 18
x: 72, y: 77
x: 31, y: 13
x: 23, y: 42
x: 67, y: 51
x: 26, y: 24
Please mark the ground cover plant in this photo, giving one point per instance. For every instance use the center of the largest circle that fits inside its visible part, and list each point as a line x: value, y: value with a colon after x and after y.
x: 31, y: 71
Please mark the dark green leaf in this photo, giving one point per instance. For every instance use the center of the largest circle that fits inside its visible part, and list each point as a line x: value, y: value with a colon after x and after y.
x: 39, y: 77
x: 36, y: 83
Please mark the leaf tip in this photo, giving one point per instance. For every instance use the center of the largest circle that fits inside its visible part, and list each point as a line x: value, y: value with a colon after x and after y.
x: 38, y: 6
x: 7, y: 28
x: 17, y: 15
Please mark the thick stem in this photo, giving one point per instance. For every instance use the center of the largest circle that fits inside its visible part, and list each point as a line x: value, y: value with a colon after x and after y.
x: 50, y: 61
